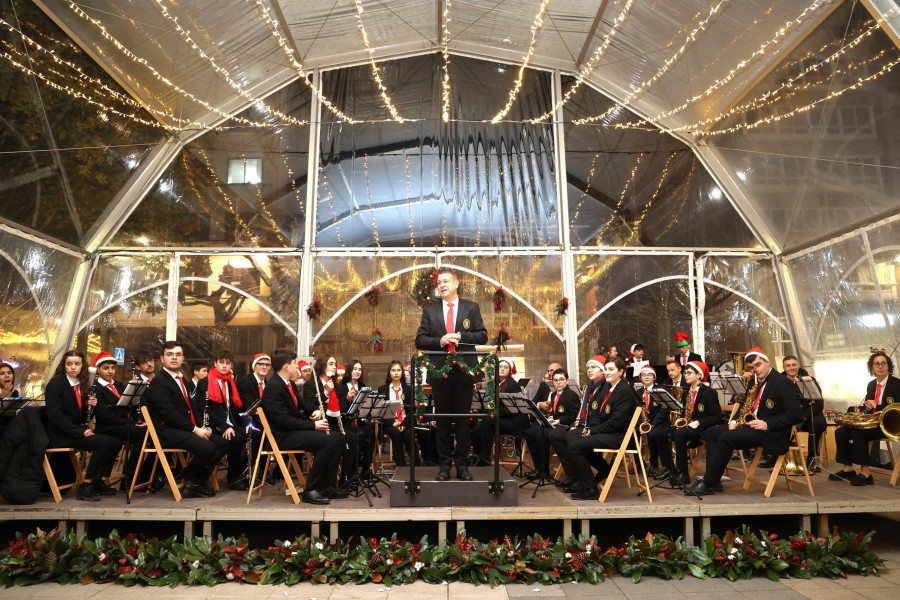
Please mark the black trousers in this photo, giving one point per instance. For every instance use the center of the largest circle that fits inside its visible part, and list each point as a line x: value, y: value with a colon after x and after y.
x: 400, y: 441
x: 483, y: 434
x: 453, y: 395
x: 365, y: 434
x: 853, y: 445
x: 576, y: 452
x: 820, y: 426
x: 658, y: 441
x: 104, y: 450
x: 128, y: 434
x: 237, y: 462
x: 682, y: 437
x: 719, y: 450
x: 327, y: 449
x: 539, y: 446
x: 205, y: 454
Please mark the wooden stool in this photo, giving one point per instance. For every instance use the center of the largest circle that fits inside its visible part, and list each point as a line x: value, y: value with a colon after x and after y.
x: 160, y: 457
x: 778, y: 469
x: 633, y: 457
x: 286, y: 459
x: 51, y: 479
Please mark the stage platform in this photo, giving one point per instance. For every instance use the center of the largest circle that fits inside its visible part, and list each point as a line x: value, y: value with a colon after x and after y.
x: 337, y: 519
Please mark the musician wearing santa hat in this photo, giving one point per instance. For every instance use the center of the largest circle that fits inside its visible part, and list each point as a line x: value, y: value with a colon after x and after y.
x: 217, y: 396
x: 684, y: 354
x: 306, y: 371
x: 656, y: 416
x: 777, y: 409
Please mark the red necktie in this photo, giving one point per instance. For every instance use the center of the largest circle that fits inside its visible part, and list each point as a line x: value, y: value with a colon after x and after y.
x: 294, y: 396
x: 114, y: 390
x: 260, y: 389
x: 224, y: 388
x: 399, y: 408
x: 77, y: 395
x: 451, y: 325
x: 693, y: 399
x: 186, y: 400
x: 604, y: 400
x: 683, y: 360
x: 646, y: 399
x: 758, y: 396
x: 878, y: 394
x: 556, y: 402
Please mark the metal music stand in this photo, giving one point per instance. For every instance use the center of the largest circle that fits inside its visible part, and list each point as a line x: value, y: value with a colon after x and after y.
x: 545, y: 424
x: 354, y: 484
x: 514, y: 404
x: 374, y: 406
x: 10, y: 406
x: 663, y: 397
x: 249, y: 414
x: 131, y: 398
x: 810, y: 390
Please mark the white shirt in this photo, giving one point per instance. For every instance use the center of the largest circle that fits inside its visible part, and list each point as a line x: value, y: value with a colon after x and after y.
x: 72, y: 382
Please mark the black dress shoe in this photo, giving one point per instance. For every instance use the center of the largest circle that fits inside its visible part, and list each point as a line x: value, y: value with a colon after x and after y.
x: 681, y: 478
x: 842, y: 476
x: 574, y: 488
x: 103, y: 489
x: 587, y: 494
x: 463, y: 474
x: 862, y: 480
x: 652, y: 471
x: 701, y: 488
x: 443, y: 475
x: 532, y: 475
x: 335, y: 493
x: 813, y: 466
x: 88, y: 493
x: 663, y: 475
x: 241, y: 485
x: 196, y: 490
x: 314, y: 497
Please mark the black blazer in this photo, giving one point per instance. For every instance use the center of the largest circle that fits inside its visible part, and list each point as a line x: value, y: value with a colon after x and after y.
x: 190, y: 386
x: 311, y: 401
x: 567, y: 407
x: 468, y: 323
x: 889, y: 395
x: 248, y: 389
x: 407, y: 394
x: 691, y: 356
x: 542, y: 392
x: 218, y: 412
x: 165, y: 401
x: 64, y: 420
x: 281, y: 412
x: 657, y: 414
x: 707, y: 409
x: 779, y: 407
x: 108, y: 414
x: 615, y: 415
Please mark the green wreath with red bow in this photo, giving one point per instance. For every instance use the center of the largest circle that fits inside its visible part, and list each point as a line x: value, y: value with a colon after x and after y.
x: 487, y: 366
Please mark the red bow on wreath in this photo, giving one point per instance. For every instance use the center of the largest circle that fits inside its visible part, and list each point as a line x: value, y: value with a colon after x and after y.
x: 499, y: 299
x: 315, y: 308
x: 373, y: 295
x: 562, y: 307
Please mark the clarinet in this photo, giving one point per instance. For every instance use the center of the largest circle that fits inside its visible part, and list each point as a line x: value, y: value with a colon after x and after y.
x: 319, y: 398
x: 89, y: 413
x: 139, y: 418
x: 206, y: 410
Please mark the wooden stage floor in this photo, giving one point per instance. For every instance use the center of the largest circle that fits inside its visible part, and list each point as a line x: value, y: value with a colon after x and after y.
x: 201, y: 515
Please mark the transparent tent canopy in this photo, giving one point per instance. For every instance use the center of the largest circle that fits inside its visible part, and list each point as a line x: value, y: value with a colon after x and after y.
x: 168, y: 170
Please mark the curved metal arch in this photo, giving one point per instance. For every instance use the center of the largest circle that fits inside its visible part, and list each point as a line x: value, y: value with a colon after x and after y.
x: 847, y: 273
x: 120, y: 299
x: 417, y: 267
x: 672, y: 277
x: 246, y: 295
x: 37, y: 301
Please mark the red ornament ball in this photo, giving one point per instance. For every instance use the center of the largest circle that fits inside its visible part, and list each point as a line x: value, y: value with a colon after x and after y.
x: 453, y: 363
x: 419, y: 379
x: 446, y: 376
x: 423, y: 363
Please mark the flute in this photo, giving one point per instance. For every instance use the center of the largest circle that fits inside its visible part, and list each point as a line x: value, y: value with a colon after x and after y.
x: 315, y: 379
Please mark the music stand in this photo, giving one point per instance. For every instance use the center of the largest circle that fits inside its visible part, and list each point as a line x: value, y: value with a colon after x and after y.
x: 667, y: 400
x: 514, y: 404
x: 734, y: 385
x: 249, y: 414
x: 11, y: 405
x: 374, y: 406
x: 545, y: 424
x: 131, y: 397
x: 354, y: 484
x: 810, y: 390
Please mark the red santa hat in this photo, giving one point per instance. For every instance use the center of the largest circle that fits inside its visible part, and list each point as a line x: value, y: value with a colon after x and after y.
x: 303, y: 365
x: 258, y: 358
x: 631, y: 352
x: 597, y: 361
x: 701, y: 367
x: 647, y: 369
x: 102, y: 358
x: 407, y: 366
x: 511, y: 363
x: 334, y: 406
x: 681, y: 339
x: 755, y: 351
x: 341, y: 369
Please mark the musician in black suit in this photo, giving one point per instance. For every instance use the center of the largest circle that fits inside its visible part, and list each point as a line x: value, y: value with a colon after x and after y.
x: 609, y: 413
x: 180, y: 425
x: 546, y: 384
x: 657, y: 417
x: 675, y: 378
x: 561, y: 407
x: 814, y: 422
x: 701, y: 411
x: 295, y: 429
x: 219, y: 396
x: 115, y: 420
x: 400, y: 428
x: 199, y: 371
x: 777, y: 409
x: 852, y: 442
x: 510, y: 423
x: 453, y: 324
x: 68, y: 398
x: 684, y: 356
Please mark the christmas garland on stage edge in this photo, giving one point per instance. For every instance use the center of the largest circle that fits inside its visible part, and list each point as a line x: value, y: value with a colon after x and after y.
x: 130, y: 560
x: 487, y: 366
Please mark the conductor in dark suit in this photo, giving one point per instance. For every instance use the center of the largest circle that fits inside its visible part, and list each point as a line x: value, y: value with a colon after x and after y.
x: 180, y: 426
x: 451, y: 325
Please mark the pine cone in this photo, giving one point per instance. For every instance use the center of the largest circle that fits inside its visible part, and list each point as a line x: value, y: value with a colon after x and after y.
x: 375, y: 560
x: 555, y: 562
x: 49, y: 558
x: 314, y: 562
x: 581, y: 557
x: 719, y: 553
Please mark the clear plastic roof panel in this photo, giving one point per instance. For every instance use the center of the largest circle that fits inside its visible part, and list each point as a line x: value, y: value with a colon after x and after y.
x: 66, y: 154
x: 179, y: 85
x: 426, y: 183
x: 243, y: 186
x: 130, y: 282
x: 750, y: 276
x: 640, y: 187
x: 821, y: 166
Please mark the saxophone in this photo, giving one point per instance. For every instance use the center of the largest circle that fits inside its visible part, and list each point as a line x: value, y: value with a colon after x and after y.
x: 645, y: 426
x: 744, y: 415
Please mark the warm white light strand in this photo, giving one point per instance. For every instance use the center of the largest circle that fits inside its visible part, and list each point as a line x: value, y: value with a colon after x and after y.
x: 589, y: 66
x: 445, y: 53
x: 536, y: 26
x: 719, y: 83
x: 375, y: 70
x: 229, y: 79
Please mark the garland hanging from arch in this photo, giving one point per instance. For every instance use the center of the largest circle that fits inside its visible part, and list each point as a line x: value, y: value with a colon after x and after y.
x: 373, y: 295
x: 315, y: 308
x: 423, y: 289
x: 486, y: 366
x: 499, y: 299
x: 375, y: 342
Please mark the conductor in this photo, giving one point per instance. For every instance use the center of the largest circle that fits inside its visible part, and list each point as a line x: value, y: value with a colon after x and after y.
x: 453, y: 325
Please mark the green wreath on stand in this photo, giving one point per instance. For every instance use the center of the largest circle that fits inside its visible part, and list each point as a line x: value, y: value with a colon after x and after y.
x: 487, y: 366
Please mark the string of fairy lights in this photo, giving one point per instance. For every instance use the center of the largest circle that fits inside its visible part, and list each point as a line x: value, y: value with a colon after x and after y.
x: 100, y: 95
